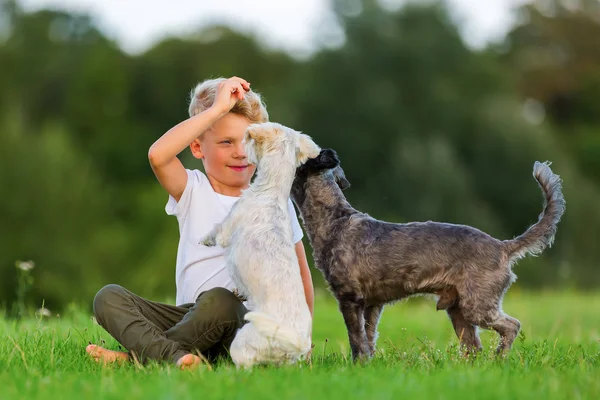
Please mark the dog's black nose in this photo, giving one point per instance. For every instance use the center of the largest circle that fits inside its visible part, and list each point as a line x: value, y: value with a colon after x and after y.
x: 327, y: 155
x: 328, y: 158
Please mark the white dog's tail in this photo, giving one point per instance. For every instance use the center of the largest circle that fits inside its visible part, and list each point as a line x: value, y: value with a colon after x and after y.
x: 267, y: 326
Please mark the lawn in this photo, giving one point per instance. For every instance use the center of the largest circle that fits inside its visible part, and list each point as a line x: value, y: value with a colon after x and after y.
x: 557, y: 356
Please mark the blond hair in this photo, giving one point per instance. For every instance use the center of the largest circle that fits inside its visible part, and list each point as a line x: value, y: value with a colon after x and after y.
x: 203, y: 97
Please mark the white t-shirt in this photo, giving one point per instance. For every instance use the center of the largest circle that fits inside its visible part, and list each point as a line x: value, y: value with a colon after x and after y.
x: 200, y: 268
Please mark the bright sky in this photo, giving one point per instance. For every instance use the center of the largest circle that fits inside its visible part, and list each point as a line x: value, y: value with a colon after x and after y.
x: 287, y: 24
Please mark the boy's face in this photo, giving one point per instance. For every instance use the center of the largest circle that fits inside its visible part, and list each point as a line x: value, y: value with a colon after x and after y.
x: 224, y: 156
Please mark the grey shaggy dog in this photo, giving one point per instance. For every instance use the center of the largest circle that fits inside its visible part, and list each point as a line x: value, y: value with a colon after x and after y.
x: 369, y: 263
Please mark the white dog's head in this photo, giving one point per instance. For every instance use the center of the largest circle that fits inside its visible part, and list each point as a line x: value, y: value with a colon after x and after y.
x: 273, y: 139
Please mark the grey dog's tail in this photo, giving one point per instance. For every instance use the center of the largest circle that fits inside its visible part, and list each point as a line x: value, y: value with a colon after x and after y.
x: 541, y: 234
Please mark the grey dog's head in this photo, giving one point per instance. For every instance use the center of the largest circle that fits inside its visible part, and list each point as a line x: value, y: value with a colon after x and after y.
x: 326, y: 165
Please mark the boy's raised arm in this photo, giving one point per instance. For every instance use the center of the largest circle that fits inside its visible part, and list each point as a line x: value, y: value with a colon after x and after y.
x: 162, y: 155
x: 169, y: 171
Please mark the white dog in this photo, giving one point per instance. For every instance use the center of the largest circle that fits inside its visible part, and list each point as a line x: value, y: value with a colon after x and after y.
x: 260, y: 255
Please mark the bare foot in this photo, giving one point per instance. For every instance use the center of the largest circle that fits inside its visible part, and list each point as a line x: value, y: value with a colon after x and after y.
x: 189, y: 361
x: 105, y: 356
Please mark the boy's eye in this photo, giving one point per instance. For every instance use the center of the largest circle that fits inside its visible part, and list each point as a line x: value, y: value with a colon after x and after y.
x: 225, y: 142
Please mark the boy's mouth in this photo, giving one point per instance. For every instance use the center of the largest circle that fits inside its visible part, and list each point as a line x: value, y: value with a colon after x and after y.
x: 238, y: 168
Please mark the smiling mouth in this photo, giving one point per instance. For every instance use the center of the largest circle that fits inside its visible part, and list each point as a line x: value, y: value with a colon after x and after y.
x: 238, y: 168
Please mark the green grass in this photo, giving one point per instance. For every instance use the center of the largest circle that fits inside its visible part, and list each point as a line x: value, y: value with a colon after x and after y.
x: 557, y: 356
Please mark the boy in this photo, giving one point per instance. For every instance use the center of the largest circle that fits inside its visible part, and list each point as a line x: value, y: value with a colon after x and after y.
x: 209, y: 314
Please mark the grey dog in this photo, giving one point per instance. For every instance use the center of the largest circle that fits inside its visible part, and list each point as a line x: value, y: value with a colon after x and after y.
x: 369, y: 263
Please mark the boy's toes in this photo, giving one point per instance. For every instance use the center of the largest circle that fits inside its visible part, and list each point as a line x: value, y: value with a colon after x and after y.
x: 93, y: 351
x: 105, y: 356
x: 189, y: 361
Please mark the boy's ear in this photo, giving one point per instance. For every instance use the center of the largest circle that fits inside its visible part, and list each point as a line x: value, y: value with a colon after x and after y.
x: 306, y: 149
x: 196, y: 148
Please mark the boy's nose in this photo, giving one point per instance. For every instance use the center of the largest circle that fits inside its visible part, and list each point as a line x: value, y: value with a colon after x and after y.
x: 240, y: 151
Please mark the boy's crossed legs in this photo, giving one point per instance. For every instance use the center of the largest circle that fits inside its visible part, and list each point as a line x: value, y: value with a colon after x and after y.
x: 157, y: 331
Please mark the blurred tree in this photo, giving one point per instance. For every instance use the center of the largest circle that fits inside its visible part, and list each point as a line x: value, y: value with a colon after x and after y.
x: 425, y: 128
x: 555, y: 55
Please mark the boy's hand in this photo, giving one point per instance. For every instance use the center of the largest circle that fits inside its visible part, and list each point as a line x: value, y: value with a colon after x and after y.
x: 230, y: 92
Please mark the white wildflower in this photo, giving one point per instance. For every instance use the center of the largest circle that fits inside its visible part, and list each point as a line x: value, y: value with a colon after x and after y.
x: 25, y: 265
x: 43, y: 312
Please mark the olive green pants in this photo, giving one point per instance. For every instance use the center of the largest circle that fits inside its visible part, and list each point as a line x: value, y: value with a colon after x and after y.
x: 163, y: 332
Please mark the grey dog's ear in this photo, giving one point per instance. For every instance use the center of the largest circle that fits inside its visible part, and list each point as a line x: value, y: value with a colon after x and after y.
x: 340, y: 178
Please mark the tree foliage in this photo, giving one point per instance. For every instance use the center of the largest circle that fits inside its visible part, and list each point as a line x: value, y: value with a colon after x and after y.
x: 426, y: 128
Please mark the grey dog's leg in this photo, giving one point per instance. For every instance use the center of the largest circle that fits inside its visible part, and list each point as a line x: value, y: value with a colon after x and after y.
x: 372, y: 315
x: 466, y: 332
x: 353, y: 313
x: 508, y: 328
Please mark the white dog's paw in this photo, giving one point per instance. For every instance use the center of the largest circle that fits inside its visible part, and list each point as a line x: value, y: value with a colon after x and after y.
x: 223, y: 241
x: 241, y: 297
x: 209, y: 240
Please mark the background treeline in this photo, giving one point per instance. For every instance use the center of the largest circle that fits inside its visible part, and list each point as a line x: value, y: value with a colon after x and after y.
x: 426, y: 128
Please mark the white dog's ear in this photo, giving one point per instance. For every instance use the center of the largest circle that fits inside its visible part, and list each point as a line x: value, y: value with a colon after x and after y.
x: 306, y: 149
x: 251, y: 153
x: 259, y: 132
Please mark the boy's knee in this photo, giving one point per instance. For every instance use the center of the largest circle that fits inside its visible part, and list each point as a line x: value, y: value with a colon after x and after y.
x: 223, y: 305
x: 109, y: 294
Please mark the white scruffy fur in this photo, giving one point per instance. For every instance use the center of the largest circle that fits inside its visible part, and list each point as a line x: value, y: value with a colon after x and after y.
x: 260, y: 253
